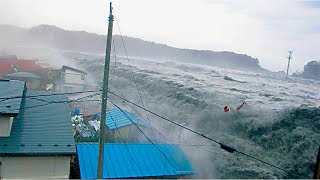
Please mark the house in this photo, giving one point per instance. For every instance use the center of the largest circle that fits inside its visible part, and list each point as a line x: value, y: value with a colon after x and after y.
x: 33, y: 81
x: 69, y: 79
x: 122, y: 125
x: 26, y: 70
x: 36, y: 139
x: 122, y: 161
x: 8, y: 65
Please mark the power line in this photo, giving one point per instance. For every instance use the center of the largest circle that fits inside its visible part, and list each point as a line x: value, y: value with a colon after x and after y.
x: 56, y: 102
x: 163, y: 117
x: 104, y: 97
x: 198, y: 146
x: 141, y: 132
x: 43, y: 95
x: 139, y: 168
x: 134, y: 78
x: 77, y: 100
x: 115, y: 59
x: 222, y: 146
x: 144, y: 119
x: 140, y: 115
x: 153, y: 134
x: 225, y: 147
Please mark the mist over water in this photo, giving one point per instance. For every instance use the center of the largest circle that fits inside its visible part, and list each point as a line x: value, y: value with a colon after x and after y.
x: 278, y: 123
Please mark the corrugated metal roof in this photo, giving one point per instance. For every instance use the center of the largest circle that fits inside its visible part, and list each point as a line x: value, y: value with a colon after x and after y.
x: 40, y: 128
x: 11, y: 88
x: 7, y: 66
x: 22, y: 75
x: 116, y: 118
x: 133, y: 160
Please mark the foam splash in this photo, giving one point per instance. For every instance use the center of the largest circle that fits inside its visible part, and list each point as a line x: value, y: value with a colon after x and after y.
x: 264, y: 128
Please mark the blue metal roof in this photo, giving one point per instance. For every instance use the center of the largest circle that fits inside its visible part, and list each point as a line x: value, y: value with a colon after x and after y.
x: 133, y: 160
x: 116, y: 118
x: 40, y: 128
x: 11, y: 88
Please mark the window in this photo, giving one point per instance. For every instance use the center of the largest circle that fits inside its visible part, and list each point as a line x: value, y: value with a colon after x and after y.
x: 82, y: 76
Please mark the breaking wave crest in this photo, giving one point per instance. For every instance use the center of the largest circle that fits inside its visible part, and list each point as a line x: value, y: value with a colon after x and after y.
x: 287, y: 137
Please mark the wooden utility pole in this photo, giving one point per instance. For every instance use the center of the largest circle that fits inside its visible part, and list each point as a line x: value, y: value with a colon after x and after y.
x: 316, y: 174
x: 104, y: 98
x: 289, y: 58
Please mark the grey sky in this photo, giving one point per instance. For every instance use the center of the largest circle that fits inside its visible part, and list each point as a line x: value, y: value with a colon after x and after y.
x: 265, y: 29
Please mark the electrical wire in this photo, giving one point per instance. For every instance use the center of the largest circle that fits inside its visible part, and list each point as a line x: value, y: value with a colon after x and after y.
x: 143, y: 133
x: 149, y: 125
x: 114, y: 122
x: 134, y: 78
x: 54, y: 102
x: 222, y: 146
x: 77, y: 100
x: 43, y: 95
x: 170, y: 141
x: 115, y: 59
x: 198, y: 146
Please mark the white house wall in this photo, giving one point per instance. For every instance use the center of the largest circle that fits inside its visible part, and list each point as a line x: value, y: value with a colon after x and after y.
x: 73, y: 77
x: 5, y: 126
x: 35, y: 167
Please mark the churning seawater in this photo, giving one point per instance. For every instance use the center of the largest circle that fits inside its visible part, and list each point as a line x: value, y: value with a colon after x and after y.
x: 279, y: 124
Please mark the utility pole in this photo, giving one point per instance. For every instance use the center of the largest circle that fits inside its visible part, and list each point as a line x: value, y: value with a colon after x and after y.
x: 289, y: 58
x: 316, y: 174
x: 104, y: 98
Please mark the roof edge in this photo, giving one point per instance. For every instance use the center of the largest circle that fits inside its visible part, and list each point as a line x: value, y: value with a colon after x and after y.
x: 64, y: 67
x: 37, y: 154
x: 9, y: 114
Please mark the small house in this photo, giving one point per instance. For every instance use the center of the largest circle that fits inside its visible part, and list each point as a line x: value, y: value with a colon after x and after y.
x: 33, y: 81
x: 70, y: 79
x: 25, y: 70
x: 36, y: 140
x: 122, y: 125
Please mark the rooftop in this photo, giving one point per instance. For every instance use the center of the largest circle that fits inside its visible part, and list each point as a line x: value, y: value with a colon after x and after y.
x: 22, y: 75
x: 8, y: 89
x: 40, y: 128
x: 8, y: 65
x: 72, y: 69
x: 133, y: 160
x: 117, y: 119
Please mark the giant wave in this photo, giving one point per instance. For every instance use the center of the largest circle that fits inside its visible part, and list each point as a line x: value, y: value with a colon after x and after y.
x: 280, y: 123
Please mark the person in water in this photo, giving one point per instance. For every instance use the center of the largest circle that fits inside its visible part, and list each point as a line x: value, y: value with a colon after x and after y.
x: 228, y: 109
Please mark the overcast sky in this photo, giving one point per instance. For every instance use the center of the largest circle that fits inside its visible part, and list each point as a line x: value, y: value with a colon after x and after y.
x: 265, y: 29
